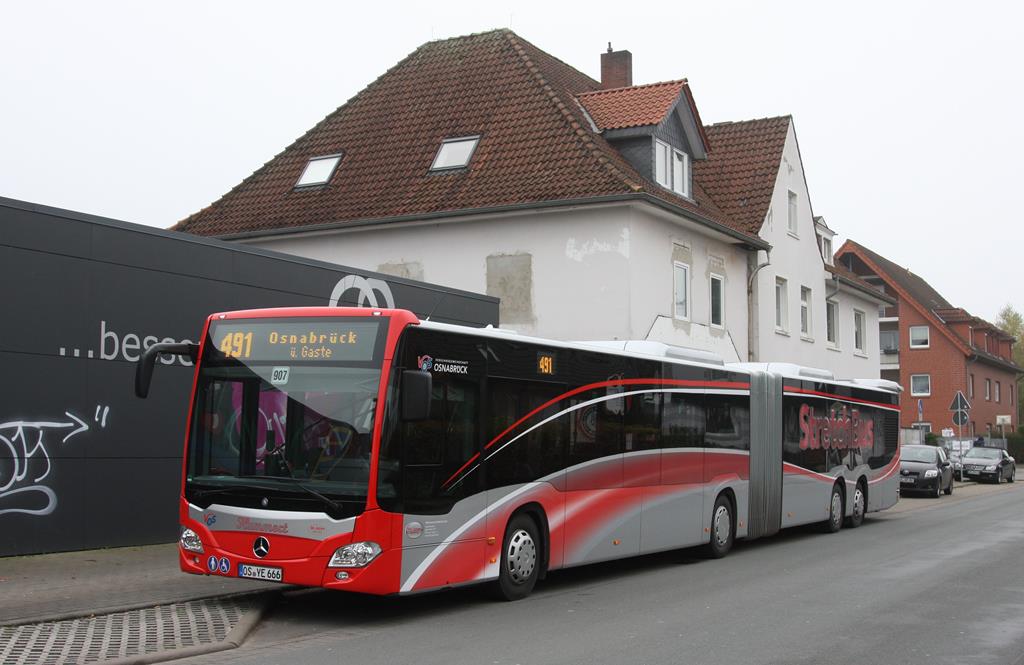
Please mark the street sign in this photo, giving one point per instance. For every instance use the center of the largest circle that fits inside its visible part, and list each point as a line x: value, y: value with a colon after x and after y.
x: 920, y: 409
x: 1003, y: 420
x: 960, y: 417
x: 947, y: 432
x: 960, y: 403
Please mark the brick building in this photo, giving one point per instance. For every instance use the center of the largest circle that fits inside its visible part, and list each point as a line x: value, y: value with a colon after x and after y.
x: 934, y: 349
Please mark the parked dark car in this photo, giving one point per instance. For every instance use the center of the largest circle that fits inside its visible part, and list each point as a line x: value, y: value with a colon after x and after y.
x: 925, y: 469
x: 992, y: 464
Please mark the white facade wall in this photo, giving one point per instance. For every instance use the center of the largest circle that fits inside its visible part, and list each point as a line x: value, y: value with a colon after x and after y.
x: 599, y: 272
x: 797, y: 259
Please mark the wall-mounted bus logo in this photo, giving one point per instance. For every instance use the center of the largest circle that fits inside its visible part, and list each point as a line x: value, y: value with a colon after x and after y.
x: 425, y: 363
x: 367, y: 292
x: 840, y: 427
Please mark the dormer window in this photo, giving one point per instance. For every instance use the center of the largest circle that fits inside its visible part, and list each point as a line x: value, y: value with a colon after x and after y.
x: 318, y: 171
x: 455, y: 153
x: 826, y: 249
x: 672, y: 168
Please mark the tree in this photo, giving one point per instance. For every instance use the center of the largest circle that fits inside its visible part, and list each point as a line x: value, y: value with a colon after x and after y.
x: 1012, y: 322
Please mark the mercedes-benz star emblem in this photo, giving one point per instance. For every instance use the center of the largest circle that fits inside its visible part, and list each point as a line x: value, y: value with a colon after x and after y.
x: 261, y: 547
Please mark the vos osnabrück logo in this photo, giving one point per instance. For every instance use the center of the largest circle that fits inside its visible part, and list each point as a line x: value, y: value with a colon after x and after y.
x: 425, y: 363
x: 367, y: 290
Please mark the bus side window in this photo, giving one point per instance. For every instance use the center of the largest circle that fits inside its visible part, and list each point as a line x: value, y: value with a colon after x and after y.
x: 530, y: 451
x: 792, y: 453
x: 728, y: 422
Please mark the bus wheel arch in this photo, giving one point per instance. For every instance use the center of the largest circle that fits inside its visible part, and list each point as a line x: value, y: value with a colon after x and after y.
x: 536, y: 512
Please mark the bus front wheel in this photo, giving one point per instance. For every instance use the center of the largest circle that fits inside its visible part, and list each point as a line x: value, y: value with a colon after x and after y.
x: 520, y: 559
x: 722, y: 532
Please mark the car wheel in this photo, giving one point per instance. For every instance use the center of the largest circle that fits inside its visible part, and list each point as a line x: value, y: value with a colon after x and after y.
x: 938, y: 488
x: 1013, y: 474
x: 835, y: 511
x: 520, y: 559
x: 949, y: 490
x: 858, y: 509
x: 722, y: 532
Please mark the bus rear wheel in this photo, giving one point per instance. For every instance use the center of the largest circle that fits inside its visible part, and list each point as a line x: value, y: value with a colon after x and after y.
x: 520, y: 559
x: 858, y: 508
x: 722, y: 533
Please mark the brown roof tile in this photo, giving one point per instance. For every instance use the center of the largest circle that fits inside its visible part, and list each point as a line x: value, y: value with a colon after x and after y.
x: 740, y: 171
x: 536, y: 146
x: 637, y: 106
x: 913, y: 284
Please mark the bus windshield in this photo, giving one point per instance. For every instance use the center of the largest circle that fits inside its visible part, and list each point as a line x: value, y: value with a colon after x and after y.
x: 292, y: 420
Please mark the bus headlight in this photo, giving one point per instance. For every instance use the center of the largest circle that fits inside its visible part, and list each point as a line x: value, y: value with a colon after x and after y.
x: 931, y: 473
x: 190, y: 541
x: 355, y: 555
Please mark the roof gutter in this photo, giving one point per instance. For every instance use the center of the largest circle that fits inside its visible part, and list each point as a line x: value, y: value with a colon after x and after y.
x: 867, y: 290
x: 749, y: 241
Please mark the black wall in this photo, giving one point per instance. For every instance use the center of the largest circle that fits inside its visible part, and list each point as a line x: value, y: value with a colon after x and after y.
x: 83, y: 462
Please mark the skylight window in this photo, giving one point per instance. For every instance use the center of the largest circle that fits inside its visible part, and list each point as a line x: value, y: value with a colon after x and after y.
x: 455, y: 153
x: 318, y: 170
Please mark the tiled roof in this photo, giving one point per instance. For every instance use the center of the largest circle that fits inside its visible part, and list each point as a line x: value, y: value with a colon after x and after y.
x: 919, y: 289
x: 637, y: 106
x: 536, y: 147
x: 740, y: 171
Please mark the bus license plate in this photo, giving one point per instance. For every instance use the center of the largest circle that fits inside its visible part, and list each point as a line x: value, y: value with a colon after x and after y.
x: 260, y: 572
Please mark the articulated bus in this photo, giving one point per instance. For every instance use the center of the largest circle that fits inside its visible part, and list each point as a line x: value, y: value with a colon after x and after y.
x: 369, y: 451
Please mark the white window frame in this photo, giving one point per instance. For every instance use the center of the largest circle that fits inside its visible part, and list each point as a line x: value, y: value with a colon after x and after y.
x: 677, y: 265
x: 792, y: 214
x: 671, y: 168
x: 806, y: 323
x: 928, y: 337
x: 334, y: 160
x: 475, y: 139
x: 834, y: 306
x: 914, y: 393
x: 999, y: 393
x: 861, y: 330
x: 970, y: 386
x: 988, y: 390
x: 826, y: 249
x: 781, y: 305
x: 925, y: 427
x: 712, y: 278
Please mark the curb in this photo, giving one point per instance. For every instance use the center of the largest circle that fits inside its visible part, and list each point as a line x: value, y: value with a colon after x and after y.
x: 82, y: 614
x: 234, y: 639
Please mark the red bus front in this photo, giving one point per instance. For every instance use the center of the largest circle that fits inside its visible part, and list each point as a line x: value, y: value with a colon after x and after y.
x: 280, y: 466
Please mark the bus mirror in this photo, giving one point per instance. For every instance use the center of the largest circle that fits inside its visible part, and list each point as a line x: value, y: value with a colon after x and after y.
x: 144, y: 367
x: 417, y: 387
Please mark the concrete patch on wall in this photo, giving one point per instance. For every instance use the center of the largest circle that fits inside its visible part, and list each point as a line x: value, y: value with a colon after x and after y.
x: 577, y: 250
x: 408, y: 269
x: 510, y: 277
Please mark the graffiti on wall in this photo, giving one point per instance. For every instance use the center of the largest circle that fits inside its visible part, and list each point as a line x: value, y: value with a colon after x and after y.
x: 25, y: 463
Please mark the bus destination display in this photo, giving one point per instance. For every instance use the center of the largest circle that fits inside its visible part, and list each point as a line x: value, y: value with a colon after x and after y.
x: 310, y: 341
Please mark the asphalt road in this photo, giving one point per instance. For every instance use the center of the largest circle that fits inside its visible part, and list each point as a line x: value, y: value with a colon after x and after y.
x: 932, y: 581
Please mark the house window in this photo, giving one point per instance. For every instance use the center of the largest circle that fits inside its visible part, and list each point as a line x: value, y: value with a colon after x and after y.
x: 805, y: 311
x: 988, y: 390
x: 970, y: 386
x: 781, y: 305
x: 919, y: 337
x: 681, y: 290
x: 858, y: 331
x: 826, y: 249
x: 889, y: 341
x: 920, y: 385
x: 318, y: 171
x: 792, y: 213
x: 717, y: 300
x: 831, y: 316
x: 671, y: 168
x: 924, y: 427
x: 998, y: 393
x: 454, y: 153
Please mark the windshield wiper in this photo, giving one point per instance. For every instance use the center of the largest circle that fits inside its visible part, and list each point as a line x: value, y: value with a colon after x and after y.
x: 327, y: 501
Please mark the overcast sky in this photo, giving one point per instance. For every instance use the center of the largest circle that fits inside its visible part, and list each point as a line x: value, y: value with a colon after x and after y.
x: 907, y: 114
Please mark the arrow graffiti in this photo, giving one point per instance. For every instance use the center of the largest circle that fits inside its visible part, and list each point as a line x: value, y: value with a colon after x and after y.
x: 25, y: 461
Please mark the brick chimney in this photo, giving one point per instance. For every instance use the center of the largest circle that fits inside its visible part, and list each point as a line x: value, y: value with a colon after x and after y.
x: 616, y: 69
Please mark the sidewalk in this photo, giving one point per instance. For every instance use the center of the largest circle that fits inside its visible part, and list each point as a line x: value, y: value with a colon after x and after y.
x: 50, y: 586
